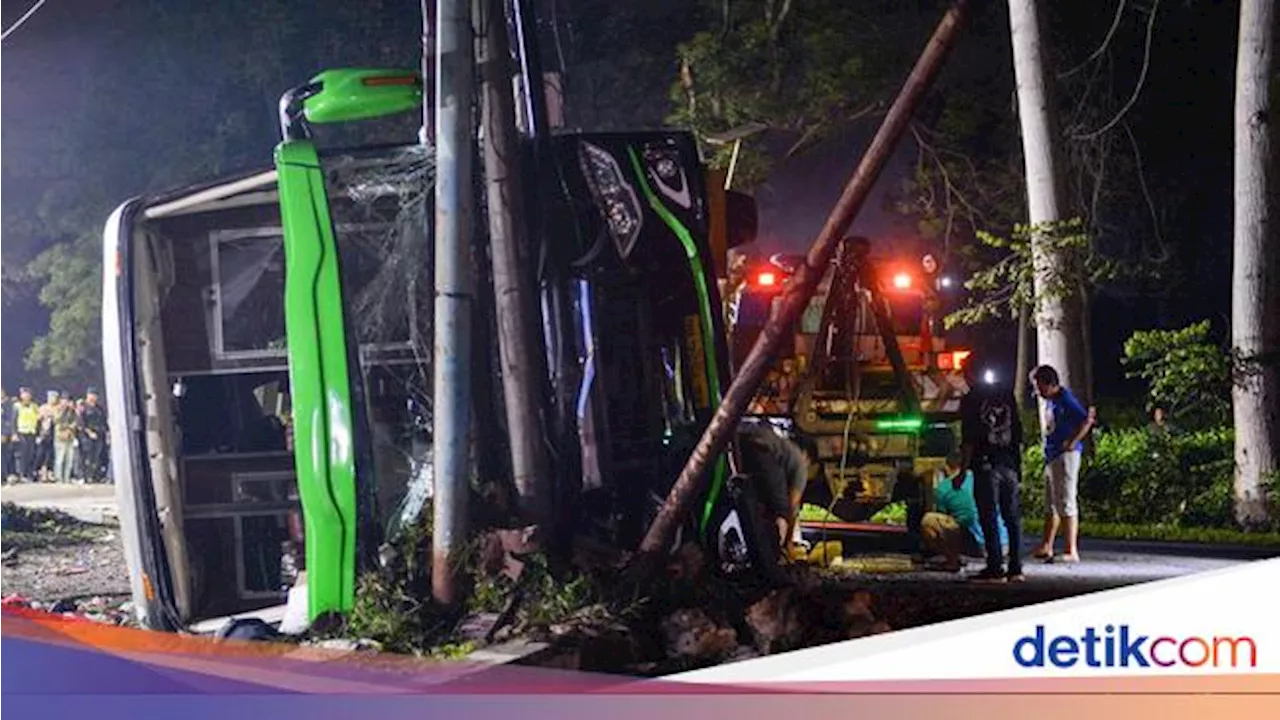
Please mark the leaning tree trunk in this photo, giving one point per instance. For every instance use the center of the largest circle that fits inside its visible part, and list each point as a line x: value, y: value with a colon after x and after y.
x: 1057, y: 332
x: 1255, y: 396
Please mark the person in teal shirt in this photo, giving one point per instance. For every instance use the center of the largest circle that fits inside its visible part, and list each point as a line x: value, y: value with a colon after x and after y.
x: 952, y: 528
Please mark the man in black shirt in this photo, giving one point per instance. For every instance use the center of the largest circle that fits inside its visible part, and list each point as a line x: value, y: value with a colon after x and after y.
x: 93, y: 441
x: 991, y: 446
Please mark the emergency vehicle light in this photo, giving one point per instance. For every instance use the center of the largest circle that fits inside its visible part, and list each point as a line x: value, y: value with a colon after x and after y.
x: 767, y: 279
x: 953, y: 360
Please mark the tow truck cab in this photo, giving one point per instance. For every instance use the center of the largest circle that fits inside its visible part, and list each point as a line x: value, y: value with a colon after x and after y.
x: 867, y: 382
x: 222, y: 499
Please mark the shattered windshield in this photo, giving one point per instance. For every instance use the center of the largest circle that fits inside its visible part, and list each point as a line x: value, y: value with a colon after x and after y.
x: 381, y: 202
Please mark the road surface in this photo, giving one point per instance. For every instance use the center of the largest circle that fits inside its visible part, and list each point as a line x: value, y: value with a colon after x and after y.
x: 1106, y: 564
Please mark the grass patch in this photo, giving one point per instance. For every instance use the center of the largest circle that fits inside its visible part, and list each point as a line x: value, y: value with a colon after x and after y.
x: 1166, y: 533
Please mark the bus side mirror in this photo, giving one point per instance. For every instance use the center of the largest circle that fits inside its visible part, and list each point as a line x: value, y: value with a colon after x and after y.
x: 347, y: 95
x: 743, y: 218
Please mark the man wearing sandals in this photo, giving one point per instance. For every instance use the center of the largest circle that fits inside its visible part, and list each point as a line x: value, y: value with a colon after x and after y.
x: 1067, y: 424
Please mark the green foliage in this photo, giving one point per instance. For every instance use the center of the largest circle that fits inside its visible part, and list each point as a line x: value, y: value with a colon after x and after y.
x: 1185, y: 371
x: 1167, y: 533
x: 1008, y: 284
x: 1142, y: 477
x: 891, y: 514
x: 79, y: 146
x: 800, y: 69
x: 388, y: 612
x: 71, y: 275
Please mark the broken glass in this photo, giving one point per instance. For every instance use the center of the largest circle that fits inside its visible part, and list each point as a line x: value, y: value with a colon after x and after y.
x: 382, y: 205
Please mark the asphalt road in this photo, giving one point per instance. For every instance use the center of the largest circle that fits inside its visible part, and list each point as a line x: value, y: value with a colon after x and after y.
x: 921, y: 597
x: 1104, y: 563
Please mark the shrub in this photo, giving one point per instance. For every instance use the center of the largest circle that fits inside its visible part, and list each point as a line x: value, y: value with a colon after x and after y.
x: 1185, y: 372
x: 1139, y: 477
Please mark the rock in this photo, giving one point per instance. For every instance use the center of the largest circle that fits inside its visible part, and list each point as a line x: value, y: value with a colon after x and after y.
x: 689, y: 632
x: 689, y: 564
x: 743, y: 652
x: 476, y: 627
x: 344, y: 644
x: 858, y: 606
x: 776, y: 622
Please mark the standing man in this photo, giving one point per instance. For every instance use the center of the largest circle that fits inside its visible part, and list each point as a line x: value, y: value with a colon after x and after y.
x: 6, y: 434
x: 66, y: 429
x: 991, y: 446
x: 1067, y: 423
x: 44, y: 439
x: 26, y: 420
x: 93, y: 421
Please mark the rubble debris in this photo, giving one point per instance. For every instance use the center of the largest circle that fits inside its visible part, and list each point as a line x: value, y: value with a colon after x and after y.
x: 690, y: 633
x: 348, y: 644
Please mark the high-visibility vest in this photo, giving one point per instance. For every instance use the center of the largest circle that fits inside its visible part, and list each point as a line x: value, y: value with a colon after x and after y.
x: 28, y: 418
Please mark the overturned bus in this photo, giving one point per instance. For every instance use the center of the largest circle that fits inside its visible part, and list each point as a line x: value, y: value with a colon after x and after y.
x: 272, y: 370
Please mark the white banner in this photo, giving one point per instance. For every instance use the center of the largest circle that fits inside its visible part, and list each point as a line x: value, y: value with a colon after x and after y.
x: 1219, y: 622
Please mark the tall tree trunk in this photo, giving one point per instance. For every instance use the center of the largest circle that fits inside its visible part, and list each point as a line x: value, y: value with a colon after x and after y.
x: 1255, y: 333
x: 1057, y: 332
x: 1023, y: 363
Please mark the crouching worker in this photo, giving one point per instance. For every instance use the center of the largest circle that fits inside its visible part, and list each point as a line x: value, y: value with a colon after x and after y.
x: 953, y: 529
x: 780, y: 470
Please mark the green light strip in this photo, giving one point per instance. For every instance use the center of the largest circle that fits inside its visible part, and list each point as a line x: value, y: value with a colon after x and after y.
x: 704, y: 300
x: 900, y: 424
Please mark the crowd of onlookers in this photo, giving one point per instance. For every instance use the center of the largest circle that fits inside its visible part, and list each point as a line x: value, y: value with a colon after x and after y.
x: 64, y: 439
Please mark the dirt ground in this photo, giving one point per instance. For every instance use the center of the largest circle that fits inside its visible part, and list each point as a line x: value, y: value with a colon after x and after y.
x: 54, y: 561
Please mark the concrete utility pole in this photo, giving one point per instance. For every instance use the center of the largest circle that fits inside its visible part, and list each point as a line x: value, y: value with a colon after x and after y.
x: 454, y: 123
x: 516, y: 304
x: 797, y: 293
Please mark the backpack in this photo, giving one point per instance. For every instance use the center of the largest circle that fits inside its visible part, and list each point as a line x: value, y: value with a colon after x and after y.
x: 996, y: 418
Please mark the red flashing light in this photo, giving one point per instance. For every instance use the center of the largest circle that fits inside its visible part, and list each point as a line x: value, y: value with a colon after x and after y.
x: 953, y: 360
x: 902, y: 281
x: 767, y: 279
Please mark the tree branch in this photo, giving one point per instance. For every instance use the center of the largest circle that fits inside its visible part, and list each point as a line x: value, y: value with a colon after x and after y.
x: 1106, y: 42
x: 1142, y: 79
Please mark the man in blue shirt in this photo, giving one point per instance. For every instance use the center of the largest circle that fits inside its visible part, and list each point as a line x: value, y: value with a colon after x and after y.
x: 1066, y: 425
x: 953, y: 528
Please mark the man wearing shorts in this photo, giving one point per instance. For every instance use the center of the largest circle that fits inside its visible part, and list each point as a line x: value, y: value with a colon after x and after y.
x: 1066, y: 425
